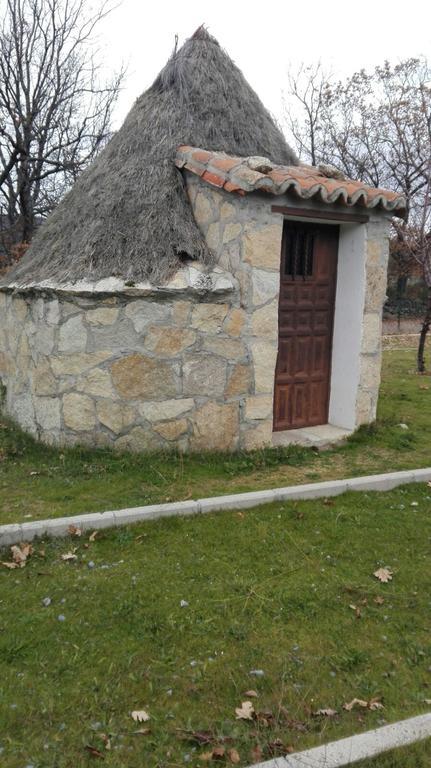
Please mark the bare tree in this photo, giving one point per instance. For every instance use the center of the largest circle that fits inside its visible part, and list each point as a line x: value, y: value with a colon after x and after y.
x: 55, y: 109
x: 376, y: 126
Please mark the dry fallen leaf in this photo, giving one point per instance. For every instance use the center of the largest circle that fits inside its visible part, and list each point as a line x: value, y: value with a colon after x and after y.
x: 256, y: 754
x: 20, y: 553
x: 233, y: 756
x: 251, y: 694
x: 69, y: 556
x: 206, y: 756
x: 379, y: 600
x: 10, y: 565
x: 383, y: 574
x: 372, y: 704
x: 92, y: 536
x: 74, y: 531
x: 140, y: 716
x: 94, y: 752
x: 218, y: 753
x: 143, y: 731
x: 245, y: 711
x: 328, y: 712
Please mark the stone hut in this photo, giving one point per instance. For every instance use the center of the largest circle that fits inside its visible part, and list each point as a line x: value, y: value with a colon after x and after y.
x: 198, y: 289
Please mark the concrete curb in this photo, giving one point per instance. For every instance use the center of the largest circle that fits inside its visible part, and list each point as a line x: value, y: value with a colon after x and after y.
x: 14, y: 533
x: 365, y: 745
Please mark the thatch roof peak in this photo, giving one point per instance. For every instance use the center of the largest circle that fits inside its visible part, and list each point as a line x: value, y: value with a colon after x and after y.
x: 128, y: 214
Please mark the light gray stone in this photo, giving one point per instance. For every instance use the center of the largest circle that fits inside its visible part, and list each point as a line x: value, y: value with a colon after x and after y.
x: 143, y: 313
x: 204, y: 376
x: 73, y: 336
x: 44, y: 339
x: 265, y: 286
x: 52, y: 312
x: 47, y: 410
x: 166, y: 409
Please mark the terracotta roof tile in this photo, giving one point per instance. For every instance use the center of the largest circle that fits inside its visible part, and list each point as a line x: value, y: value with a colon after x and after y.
x: 235, y: 174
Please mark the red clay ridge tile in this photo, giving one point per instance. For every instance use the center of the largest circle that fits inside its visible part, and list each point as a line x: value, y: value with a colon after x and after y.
x: 211, y: 178
x: 201, y: 155
x: 224, y: 163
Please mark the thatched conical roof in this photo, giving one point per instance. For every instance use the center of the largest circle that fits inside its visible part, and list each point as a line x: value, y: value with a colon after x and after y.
x: 128, y: 214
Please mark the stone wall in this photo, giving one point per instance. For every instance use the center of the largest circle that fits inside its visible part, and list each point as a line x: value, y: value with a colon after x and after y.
x: 187, y: 366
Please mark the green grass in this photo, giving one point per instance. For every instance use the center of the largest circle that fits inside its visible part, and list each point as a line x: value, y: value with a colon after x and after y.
x: 415, y: 756
x: 269, y: 588
x: 38, y: 482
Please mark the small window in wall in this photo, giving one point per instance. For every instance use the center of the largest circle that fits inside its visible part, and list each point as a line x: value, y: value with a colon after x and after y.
x: 298, y: 246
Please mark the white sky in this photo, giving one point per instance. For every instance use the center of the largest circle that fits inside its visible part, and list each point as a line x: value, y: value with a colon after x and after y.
x: 263, y: 37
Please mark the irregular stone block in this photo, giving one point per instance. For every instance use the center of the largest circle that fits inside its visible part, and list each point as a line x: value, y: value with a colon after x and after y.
x: 71, y: 365
x: 52, y: 312
x: 181, y: 313
x: 143, y: 313
x: 264, y: 321
x: 259, y: 437
x: 73, y: 336
x: 265, y: 286
x: 139, y: 439
x: 44, y: 339
x: 165, y: 340
x: 209, y: 318
x: 79, y: 412
x: 47, y: 410
x: 202, y: 208
x: 264, y: 358
x: 234, y: 323
x: 138, y: 376
x: 171, y: 430
x: 215, y: 427
x: 239, y: 380
x: 97, y: 383
x: 204, y: 375
x: 116, y: 416
x: 232, y: 349
x: 166, y: 409
x: 371, y: 333
x: 262, y: 247
x: 102, y: 316
x: 258, y: 407
x: 231, y: 232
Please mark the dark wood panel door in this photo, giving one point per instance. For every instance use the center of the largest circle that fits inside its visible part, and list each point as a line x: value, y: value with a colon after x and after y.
x: 305, y: 322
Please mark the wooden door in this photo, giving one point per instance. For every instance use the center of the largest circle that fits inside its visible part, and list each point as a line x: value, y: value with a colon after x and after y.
x: 305, y: 321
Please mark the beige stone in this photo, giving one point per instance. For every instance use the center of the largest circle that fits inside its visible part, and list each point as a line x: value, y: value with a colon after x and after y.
x: 227, y: 210
x: 139, y: 439
x: 371, y: 333
x: 377, y: 252
x: 264, y: 358
x: 265, y: 286
x: 171, y: 430
x: 209, y: 318
x: 20, y: 308
x: 264, y: 321
x: 365, y: 408
x: 258, y: 407
x: 370, y: 372
x: 73, y: 335
x: 262, y: 247
x: 78, y: 412
x: 215, y: 427
x: 165, y: 340
x: 181, y: 313
x: 165, y: 409
x: 234, y: 322
x: 213, y: 237
x: 138, y: 376
x: 115, y: 416
x: 375, y: 294
x: 204, y: 375
x: 47, y: 411
x: 44, y: 382
x: 232, y: 349
x: 97, y: 383
x: 102, y: 316
x: 239, y: 381
x: 259, y: 437
x: 202, y: 208
x: 5, y: 364
x: 231, y: 231
x: 71, y: 365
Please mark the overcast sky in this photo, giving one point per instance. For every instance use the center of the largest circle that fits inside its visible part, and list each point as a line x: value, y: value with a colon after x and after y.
x: 263, y: 37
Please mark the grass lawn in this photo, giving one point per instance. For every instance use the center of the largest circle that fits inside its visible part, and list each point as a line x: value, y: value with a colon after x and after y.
x: 415, y: 756
x: 38, y: 482
x: 287, y: 589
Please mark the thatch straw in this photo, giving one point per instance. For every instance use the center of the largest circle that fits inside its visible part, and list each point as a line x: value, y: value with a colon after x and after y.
x: 128, y: 215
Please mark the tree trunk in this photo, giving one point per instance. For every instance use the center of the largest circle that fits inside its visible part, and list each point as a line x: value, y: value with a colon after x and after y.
x: 423, y: 335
